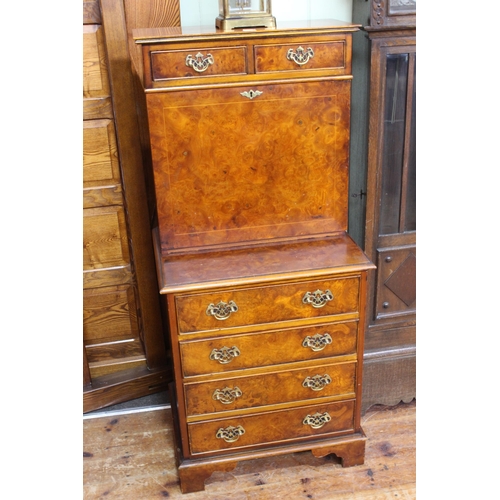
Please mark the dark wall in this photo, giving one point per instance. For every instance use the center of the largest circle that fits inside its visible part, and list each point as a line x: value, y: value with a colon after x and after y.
x: 359, y: 122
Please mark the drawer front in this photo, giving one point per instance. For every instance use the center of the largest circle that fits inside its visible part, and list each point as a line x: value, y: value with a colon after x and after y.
x: 301, y: 56
x: 217, y: 355
x: 198, y: 62
x: 271, y: 427
x: 324, y: 381
x: 267, y: 304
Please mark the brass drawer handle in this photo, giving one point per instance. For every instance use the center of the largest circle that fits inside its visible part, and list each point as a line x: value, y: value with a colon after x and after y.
x: 301, y: 56
x: 317, y: 342
x: 317, y: 383
x: 227, y: 395
x: 224, y: 355
x: 222, y: 310
x: 199, y: 63
x: 317, y: 420
x: 318, y: 298
x: 230, y: 434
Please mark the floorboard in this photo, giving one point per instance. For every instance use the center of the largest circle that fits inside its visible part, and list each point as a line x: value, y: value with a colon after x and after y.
x: 131, y: 457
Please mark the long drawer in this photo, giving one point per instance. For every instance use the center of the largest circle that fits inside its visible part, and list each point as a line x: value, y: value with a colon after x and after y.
x: 271, y: 427
x: 238, y: 352
x: 267, y: 304
x: 324, y: 381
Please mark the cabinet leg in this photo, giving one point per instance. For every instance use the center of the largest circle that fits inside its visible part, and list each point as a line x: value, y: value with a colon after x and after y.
x: 194, y: 473
x: 192, y: 477
x: 350, y: 453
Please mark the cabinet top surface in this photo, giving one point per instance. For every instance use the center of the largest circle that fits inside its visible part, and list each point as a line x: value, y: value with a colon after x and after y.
x: 173, y: 34
x: 304, y: 259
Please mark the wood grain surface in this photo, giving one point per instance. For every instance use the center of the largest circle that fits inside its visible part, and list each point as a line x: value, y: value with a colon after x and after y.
x: 281, y: 346
x: 277, y: 143
x: 132, y: 456
x: 267, y: 304
x: 272, y: 388
x: 299, y: 259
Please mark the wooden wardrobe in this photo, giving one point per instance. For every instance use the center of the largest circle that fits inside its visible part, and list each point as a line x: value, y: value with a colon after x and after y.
x: 125, y: 352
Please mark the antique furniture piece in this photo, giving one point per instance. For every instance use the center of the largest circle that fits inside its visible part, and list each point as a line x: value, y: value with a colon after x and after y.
x: 125, y: 355
x: 265, y: 290
x: 245, y: 14
x: 390, y: 233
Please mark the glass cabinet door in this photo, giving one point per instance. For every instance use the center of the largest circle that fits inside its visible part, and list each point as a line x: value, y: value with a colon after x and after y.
x: 398, y: 214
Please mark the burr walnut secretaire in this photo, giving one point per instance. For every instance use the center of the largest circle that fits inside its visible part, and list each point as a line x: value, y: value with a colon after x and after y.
x: 264, y: 288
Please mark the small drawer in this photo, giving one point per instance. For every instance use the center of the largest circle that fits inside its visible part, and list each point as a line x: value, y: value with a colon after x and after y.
x: 202, y: 62
x: 238, y: 352
x: 301, y: 56
x: 272, y: 427
x: 324, y: 381
x: 266, y: 304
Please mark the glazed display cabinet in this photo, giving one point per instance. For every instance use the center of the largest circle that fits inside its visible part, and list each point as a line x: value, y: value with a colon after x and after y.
x: 388, y: 53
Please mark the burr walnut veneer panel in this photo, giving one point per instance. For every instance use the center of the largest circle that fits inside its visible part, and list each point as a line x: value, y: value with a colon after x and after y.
x: 281, y: 346
x: 171, y: 64
x: 289, y: 385
x: 290, y: 131
x: 330, y: 54
x: 272, y: 427
x: 265, y: 304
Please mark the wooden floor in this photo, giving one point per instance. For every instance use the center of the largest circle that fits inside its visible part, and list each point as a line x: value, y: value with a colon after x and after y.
x: 130, y: 456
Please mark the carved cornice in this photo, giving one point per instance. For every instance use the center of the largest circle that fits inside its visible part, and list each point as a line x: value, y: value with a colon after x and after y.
x: 393, y: 13
x: 411, y: 4
x: 378, y: 12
